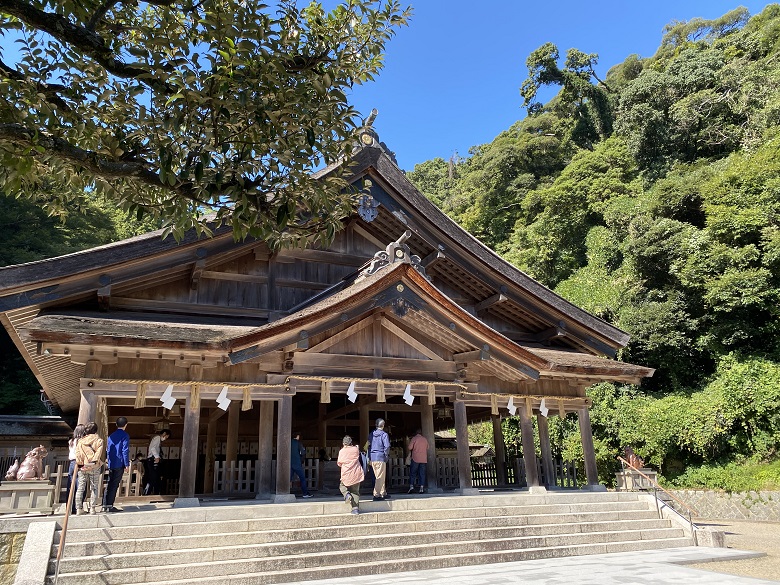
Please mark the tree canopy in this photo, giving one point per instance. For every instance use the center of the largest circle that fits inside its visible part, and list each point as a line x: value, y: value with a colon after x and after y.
x: 190, y: 112
x: 651, y: 198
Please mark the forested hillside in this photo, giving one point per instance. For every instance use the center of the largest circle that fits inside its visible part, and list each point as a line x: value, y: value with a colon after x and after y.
x: 652, y: 199
x: 27, y: 233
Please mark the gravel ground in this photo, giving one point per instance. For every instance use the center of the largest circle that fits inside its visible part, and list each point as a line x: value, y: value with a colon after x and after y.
x: 746, y: 535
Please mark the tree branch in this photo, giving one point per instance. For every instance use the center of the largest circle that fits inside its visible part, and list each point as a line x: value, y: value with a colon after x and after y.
x: 99, y: 165
x: 100, y: 13
x: 87, y: 41
x: 50, y: 90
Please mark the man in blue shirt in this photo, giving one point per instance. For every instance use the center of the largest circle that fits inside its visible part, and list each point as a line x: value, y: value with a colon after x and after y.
x: 118, y: 454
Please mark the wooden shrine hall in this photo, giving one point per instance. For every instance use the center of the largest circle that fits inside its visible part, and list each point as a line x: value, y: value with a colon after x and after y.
x: 405, y: 316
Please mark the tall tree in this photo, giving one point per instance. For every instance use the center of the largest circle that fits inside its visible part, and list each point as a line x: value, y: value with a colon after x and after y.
x: 179, y: 109
x: 582, y: 99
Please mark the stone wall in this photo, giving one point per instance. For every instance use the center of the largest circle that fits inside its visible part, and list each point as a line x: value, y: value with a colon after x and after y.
x: 733, y: 506
x: 11, y: 544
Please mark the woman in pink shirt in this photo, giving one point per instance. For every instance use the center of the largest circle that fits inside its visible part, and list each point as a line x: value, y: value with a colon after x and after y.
x: 351, y: 473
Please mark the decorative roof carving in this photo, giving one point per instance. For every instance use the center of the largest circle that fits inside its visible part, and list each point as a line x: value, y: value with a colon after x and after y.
x: 367, y: 136
x: 368, y: 207
x: 395, y: 252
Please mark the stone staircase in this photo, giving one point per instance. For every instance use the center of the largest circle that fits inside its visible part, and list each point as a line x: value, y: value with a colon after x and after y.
x: 264, y: 543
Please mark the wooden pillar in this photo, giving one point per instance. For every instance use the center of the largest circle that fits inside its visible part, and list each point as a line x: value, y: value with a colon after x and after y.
x: 322, y: 442
x: 283, y: 438
x: 529, y: 449
x: 586, y: 435
x: 189, y: 446
x: 89, y: 400
x: 462, y: 439
x: 87, y: 407
x: 363, y: 433
x: 231, y: 452
x: 498, y: 441
x: 544, y: 444
x: 211, y: 442
x: 211, y: 447
x: 426, y: 424
x: 265, y: 449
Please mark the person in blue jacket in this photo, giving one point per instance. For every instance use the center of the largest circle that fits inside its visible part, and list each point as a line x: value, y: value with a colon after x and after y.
x: 297, y: 457
x: 118, y: 454
x: 379, y: 453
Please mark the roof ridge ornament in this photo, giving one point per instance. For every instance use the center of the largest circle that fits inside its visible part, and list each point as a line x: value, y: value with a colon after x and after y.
x: 395, y: 252
x: 368, y: 137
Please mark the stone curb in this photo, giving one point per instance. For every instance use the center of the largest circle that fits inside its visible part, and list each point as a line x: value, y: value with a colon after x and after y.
x: 34, y: 562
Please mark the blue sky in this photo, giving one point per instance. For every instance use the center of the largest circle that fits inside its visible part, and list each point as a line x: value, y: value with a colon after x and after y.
x: 451, y: 79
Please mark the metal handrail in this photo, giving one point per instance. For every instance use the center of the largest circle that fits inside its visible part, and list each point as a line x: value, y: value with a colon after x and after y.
x: 656, y: 487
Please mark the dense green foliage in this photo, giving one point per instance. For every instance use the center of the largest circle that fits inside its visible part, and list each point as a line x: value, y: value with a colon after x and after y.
x: 97, y: 222
x: 652, y: 199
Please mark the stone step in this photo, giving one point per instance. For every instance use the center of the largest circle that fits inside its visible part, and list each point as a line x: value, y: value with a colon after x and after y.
x: 269, y: 543
x: 341, y: 563
x: 536, y: 536
x: 259, y: 510
x: 521, y: 524
x: 134, y: 524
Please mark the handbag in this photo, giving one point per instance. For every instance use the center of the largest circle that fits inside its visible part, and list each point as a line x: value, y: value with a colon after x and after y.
x: 409, y: 459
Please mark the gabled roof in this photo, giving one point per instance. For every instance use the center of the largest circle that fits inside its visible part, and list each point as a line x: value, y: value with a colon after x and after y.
x: 66, y: 276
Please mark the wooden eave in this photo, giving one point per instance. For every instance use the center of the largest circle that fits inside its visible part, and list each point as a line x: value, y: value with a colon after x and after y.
x: 432, y: 225
x: 118, y: 331
x: 67, y: 277
x: 577, y: 364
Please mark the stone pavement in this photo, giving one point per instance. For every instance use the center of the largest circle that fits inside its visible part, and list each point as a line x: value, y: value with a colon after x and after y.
x: 655, y: 567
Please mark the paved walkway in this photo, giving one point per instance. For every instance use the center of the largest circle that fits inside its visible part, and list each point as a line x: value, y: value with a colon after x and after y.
x: 657, y: 567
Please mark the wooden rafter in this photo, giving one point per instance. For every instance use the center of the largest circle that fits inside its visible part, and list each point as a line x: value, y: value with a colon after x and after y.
x: 404, y: 336
x: 341, y: 335
x: 491, y: 301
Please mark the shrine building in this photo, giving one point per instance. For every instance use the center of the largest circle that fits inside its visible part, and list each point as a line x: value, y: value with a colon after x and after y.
x: 235, y: 346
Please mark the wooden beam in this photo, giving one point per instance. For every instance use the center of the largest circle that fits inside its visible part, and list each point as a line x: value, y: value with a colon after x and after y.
x: 548, y: 334
x: 477, y: 355
x: 197, y: 273
x: 265, y: 449
x: 432, y: 259
x: 234, y: 277
x: 177, y: 307
x: 310, y: 285
x: 341, y: 335
x: 283, y: 439
x: 491, y: 301
x: 369, y: 236
x: 104, y: 298
x: 415, y: 343
x: 396, y: 407
x: 377, y: 335
x: 386, y: 364
x: 181, y: 389
x: 262, y: 253
x: 216, y: 414
x: 343, y: 423
x: 325, y: 256
x: 343, y: 411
